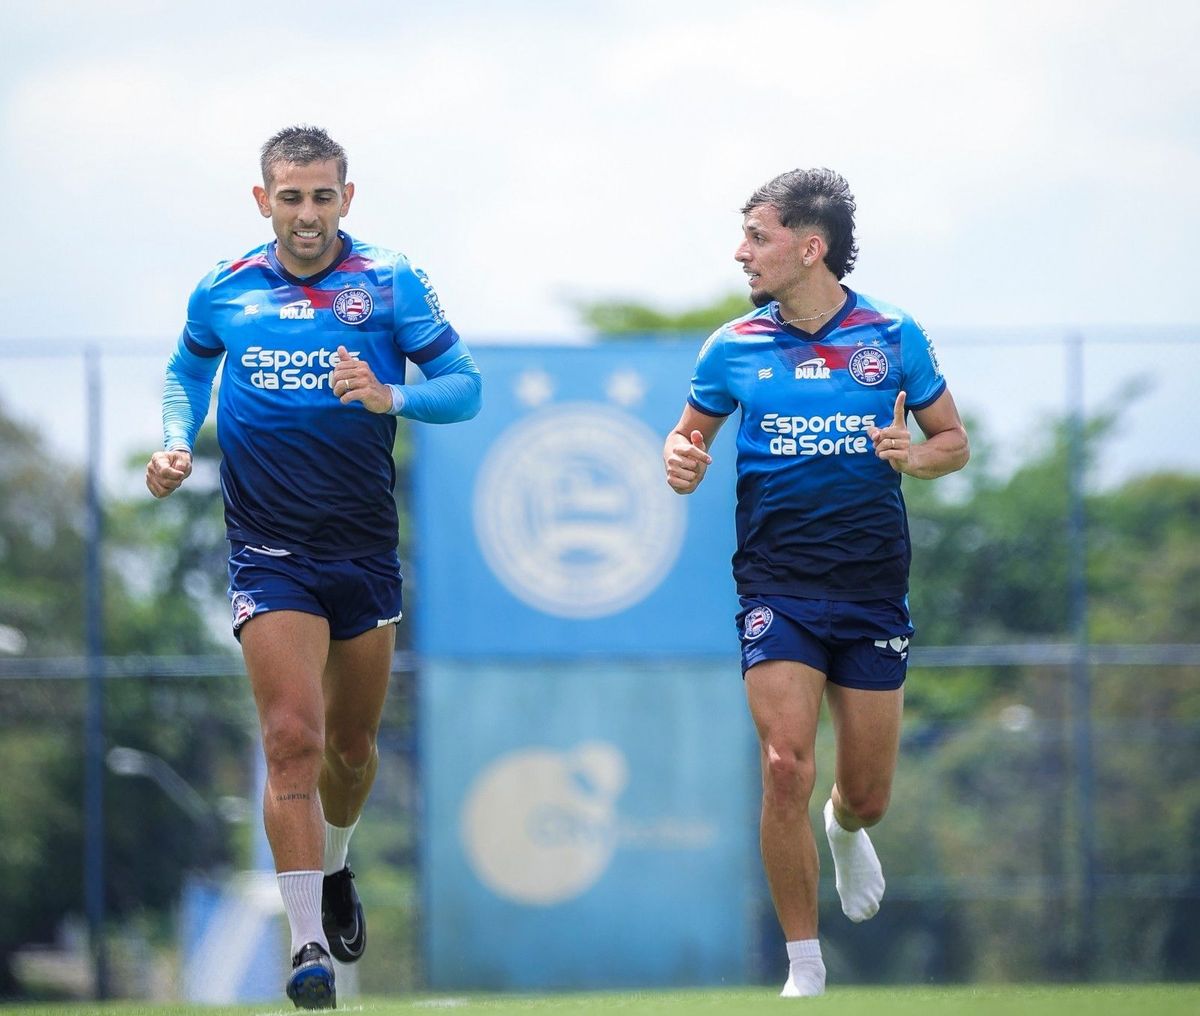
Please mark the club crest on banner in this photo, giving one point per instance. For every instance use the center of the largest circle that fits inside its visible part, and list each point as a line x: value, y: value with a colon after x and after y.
x: 571, y: 511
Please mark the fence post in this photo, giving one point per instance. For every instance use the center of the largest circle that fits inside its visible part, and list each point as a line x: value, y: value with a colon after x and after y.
x: 93, y: 782
x: 1081, y: 677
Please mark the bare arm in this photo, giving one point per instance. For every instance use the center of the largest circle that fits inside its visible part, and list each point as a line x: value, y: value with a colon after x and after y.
x: 685, y: 452
x: 944, y: 450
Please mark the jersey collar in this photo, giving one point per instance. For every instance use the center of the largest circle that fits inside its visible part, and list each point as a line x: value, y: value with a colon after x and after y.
x: 825, y: 329
x: 309, y: 280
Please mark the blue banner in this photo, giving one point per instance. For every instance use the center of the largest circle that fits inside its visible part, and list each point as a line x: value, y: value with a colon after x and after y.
x: 545, y: 527
x: 588, y: 826
x: 589, y: 771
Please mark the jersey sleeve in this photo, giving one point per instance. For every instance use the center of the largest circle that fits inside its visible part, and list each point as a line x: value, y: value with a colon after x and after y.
x: 422, y: 331
x: 451, y: 393
x: 710, y: 393
x: 453, y: 387
x: 923, y: 380
x: 187, y: 390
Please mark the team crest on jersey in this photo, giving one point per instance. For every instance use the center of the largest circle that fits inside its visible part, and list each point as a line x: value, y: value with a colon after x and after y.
x: 868, y: 366
x: 757, y: 622
x: 243, y: 609
x: 353, y: 306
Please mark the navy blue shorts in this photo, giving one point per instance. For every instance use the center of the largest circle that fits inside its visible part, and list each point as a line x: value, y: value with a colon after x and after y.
x: 856, y: 645
x: 354, y: 596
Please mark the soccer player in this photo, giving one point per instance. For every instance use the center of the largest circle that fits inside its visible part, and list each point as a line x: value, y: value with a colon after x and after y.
x: 825, y: 379
x: 314, y: 330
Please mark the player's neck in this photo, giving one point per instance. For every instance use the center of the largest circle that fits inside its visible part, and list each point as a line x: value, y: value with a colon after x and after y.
x: 305, y: 269
x: 812, y: 303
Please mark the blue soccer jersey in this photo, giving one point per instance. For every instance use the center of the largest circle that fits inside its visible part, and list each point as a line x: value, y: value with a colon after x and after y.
x: 301, y: 471
x: 818, y: 513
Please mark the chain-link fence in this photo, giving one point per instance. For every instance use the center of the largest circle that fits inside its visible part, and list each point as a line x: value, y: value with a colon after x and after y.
x: 1047, y: 811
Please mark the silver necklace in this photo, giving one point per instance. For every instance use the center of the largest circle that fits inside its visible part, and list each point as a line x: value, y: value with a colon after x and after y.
x: 814, y: 317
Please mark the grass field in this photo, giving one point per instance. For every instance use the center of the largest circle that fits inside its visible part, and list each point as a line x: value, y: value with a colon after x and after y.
x: 1090, y: 1000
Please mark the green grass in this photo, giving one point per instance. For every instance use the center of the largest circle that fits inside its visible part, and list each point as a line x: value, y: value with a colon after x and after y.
x: 1088, y: 1000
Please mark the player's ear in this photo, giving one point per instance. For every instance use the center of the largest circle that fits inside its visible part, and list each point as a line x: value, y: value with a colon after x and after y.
x: 347, y: 195
x: 814, y: 248
x: 263, y: 201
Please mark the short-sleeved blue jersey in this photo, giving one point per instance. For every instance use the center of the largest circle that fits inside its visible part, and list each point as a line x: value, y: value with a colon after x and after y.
x: 301, y: 471
x: 818, y: 513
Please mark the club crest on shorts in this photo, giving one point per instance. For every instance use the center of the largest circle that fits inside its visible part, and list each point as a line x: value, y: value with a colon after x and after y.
x: 868, y: 366
x: 353, y: 306
x: 757, y: 622
x: 243, y: 609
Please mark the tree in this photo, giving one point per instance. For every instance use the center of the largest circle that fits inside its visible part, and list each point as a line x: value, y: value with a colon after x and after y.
x: 617, y: 319
x: 155, y: 604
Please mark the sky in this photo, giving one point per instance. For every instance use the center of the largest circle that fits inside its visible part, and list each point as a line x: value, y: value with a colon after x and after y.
x: 1017, y: 165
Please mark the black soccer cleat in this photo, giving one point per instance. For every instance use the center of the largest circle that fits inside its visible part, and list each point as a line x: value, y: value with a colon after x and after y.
x: 342, y: 917
x: 311, y: 985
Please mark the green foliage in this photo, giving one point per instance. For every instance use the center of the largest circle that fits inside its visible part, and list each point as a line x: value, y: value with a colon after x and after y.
x: 41, y: 542
x: 171, y: 557
x: 613, y: 318
x: 160, y: 569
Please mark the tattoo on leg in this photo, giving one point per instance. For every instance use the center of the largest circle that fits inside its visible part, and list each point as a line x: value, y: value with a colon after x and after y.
x: 293, y: 797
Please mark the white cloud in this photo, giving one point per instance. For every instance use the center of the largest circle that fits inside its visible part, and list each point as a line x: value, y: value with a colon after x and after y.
x: 1015, y: 163
x: 539, y: 151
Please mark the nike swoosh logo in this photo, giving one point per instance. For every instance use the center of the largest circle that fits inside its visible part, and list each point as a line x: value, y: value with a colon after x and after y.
x: 354, y: 943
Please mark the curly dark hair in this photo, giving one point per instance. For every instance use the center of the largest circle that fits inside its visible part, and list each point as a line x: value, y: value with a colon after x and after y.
x: 819, y: 198
x: 301, y: 144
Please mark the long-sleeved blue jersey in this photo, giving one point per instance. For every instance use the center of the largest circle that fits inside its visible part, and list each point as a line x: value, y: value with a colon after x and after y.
x: 818, y: 513
x: 301, y: 471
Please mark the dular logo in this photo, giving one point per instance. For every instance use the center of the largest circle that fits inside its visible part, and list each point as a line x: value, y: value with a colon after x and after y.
x: 812, y: 370
x: 297, y: 310
x: 571, y: 512
x: 539, y: 826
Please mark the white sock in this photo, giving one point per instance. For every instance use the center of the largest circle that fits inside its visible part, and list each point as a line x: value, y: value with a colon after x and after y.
x: 857, y: 871
x: 337, y: 846
x: 301, y: 892
x: 806, y: 970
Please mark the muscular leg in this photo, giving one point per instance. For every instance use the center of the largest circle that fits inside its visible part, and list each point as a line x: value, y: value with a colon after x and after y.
x: 867, y: 730
x: 785, y: 702
x: 285, y: 653
x: 356, y: 682
x: 866, y: 725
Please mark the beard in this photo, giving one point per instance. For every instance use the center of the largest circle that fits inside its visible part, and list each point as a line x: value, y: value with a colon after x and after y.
x: 761, y: 299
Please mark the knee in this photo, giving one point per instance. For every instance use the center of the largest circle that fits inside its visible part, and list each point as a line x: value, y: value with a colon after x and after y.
x: 354, y: 754
x: 788, y: 776
x: 291, y: 742
x: 867, y: 804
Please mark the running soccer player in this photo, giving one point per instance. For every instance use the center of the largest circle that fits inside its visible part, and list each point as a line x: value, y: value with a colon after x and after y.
x: 825, y: 379
x: 314, y: 329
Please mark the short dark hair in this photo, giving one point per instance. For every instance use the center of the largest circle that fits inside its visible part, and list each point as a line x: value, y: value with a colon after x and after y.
x: 301, y: 144
x: 819, y: 198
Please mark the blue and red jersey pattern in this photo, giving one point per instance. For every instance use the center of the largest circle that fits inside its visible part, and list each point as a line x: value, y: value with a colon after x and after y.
x: 818, y: 513
x: 301, y: 471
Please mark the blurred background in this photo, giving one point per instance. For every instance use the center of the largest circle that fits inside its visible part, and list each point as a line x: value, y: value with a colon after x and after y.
x: 569, y: 791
